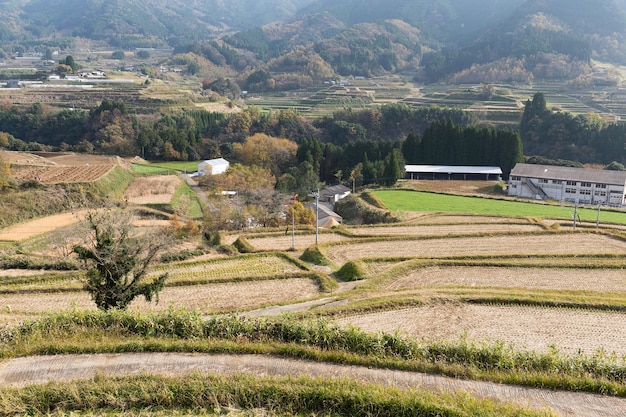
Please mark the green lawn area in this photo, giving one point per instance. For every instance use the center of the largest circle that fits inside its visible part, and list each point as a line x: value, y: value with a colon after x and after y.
x: 163, y: 167
x: 406, y: 200
x: 185, y: 199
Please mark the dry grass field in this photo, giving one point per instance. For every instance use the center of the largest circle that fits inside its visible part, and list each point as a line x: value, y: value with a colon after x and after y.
x: 56, y: 168
x: 481, y: 279
x: 527, y: 328
x: 208, y: 298
x: 23, y: 231
x: 152, y: 190
x: 496, y: 245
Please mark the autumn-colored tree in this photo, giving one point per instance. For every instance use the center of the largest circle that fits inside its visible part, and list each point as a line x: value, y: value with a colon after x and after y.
x: 5, y: 173
x: 302, y: 215
x: 240, y: 178
x: 276, y: 154
x: 4, y: 140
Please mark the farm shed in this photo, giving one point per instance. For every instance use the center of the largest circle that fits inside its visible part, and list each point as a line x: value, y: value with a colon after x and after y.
x: 213, y: 166
x: 576, y: 185
x: 452, y: 172
x: 334, y: 193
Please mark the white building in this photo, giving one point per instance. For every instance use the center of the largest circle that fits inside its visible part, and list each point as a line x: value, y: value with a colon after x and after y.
x: 452, y: 172
x: 213, y: 166
x: 334, y: 193
x: 575, y: 185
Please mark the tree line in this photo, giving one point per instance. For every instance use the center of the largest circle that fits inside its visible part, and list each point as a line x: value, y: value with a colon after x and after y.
x: 365, y: 145
x: 586, y: 138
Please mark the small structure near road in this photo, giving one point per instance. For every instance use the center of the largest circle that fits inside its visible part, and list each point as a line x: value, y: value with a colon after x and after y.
x: 452, y: 172
x: 213, y: 166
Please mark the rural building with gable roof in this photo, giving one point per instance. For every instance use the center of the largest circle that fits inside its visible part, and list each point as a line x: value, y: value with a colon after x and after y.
x: 574, y: 185
x: 213, y: 166
x: 452, y: 172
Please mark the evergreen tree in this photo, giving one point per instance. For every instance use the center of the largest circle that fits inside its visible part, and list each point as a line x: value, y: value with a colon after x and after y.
x: 410, y: 147
x: 393, y: 170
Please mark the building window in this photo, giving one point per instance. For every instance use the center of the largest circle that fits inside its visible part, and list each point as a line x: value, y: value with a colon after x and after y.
x: 600, y: 193
x: 543, y: 181
x: 571, y: 183
x: 570, y: 190
x: 585, y: 192
x: 585, y: 184
x: 557, y: 182
x: 600, y: 185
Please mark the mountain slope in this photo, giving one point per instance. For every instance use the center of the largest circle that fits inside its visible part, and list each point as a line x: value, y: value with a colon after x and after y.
x: 151, y: 19
x: 541, y: 38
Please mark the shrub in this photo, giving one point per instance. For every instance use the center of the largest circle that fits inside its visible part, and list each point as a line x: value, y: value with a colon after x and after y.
x: 313, y: 255
x: 355, y: 211
x: 373, y: 200
x: 242, y: 245
x: 352, y: 271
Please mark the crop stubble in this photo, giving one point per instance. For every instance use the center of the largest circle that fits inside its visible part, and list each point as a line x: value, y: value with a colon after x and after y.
x: 532, y: 328
x: 523, y: 244
x: 206, y: 298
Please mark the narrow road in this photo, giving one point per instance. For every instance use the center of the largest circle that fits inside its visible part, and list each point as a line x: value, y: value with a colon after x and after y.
x: 24, y: 371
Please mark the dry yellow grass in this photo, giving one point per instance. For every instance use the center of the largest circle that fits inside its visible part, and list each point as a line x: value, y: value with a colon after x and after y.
x: 23, y: 231
x: 152, y: 190
x: 531, y: 328
x: 606, y: 280
x: 444, y: 229
x: 205, y: 298
x: 542, y: 244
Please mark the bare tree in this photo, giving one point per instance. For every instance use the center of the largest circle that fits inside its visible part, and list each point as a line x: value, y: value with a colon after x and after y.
x: 119, y: 260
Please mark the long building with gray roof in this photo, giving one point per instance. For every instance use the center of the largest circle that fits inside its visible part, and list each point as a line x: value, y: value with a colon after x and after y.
x: 575, y: 185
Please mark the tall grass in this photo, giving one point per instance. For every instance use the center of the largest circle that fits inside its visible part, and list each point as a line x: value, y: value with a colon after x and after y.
x: 203, y: 395
x: 321, y: 339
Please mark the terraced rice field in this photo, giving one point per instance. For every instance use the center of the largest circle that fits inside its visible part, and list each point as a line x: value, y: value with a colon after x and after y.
x: 60, y: 174
x: 221, y: 297
x: 527, y: 328
x: 444, y: 229
x: 570, y: 279
x: 523, y: 244
x: 152, y: 190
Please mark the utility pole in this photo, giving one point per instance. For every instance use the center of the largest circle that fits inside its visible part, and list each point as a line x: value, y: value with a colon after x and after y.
x: 598, y: 217
x: 317, y: 215
x: 575, y: 213
x: 293, y: 221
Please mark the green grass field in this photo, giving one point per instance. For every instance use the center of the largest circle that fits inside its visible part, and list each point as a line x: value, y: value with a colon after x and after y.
x: 186, y: 200
x: 162, y: 167
x: 405, y: 200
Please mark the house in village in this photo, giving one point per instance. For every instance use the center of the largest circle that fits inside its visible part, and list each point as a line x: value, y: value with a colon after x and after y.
x: 334, y: 193
x: 328, y: 196
x: 575, y: 185
x: 213, y: 166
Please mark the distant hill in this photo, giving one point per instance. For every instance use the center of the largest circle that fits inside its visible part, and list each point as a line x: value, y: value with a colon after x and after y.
x: 540, y: 39
x: 147, y: 21
x: 452, y: 40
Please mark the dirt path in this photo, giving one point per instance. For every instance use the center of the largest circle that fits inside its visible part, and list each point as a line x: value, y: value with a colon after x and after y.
x: 41, y: 369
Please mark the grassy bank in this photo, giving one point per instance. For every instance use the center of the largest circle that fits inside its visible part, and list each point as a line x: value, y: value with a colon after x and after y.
x: 25, y: 204
x: 197, y: 395
x: 318, y: 340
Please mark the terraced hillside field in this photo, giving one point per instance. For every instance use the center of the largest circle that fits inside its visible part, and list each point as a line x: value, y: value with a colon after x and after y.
x: 458, y: 282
